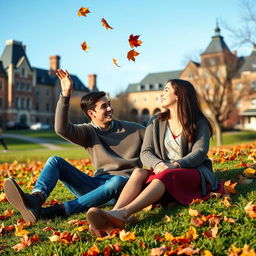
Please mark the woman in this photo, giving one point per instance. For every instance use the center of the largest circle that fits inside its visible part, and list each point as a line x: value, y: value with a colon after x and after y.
x: 175, y: 149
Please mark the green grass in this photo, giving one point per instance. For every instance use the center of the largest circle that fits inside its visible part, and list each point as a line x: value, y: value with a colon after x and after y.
x: 239, y: 233
x: 232, y: 138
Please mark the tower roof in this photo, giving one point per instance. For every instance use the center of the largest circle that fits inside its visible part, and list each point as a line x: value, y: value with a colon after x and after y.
x: 217, y: 44
x: 13, y: 52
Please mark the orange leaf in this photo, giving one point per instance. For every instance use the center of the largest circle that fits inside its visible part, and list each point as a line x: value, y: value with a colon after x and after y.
x: 196, y: 201
x: 133, y: 41
x: 189, y: 250
x: 211, y: 233
x: 229, y: 220
x: 229, y: 187
x: 206, y: 253
x: 105, y: 24
x: 250, y: 209
x: 197, y: 222
x: 25, y: 242
x: 192, y: 233
x: 158, y: 251
x: 226, y: 201
x: 93, y: 251
x: 19, y: 231
x: 115, y: 62
x: 131, y: 55
x: 83, y: 11
x: 127, y: 236
x: 84, y: 46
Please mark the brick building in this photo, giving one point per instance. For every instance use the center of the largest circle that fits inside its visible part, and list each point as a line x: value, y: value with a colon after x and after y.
x: 29, y: 94
x: 144, y: 97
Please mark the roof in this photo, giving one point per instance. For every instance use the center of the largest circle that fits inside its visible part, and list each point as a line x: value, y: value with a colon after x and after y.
x: 249, y: 62
x: 43, y: 77
x: 13, y: 52
x: 217, y: 44
x: 153, y: 81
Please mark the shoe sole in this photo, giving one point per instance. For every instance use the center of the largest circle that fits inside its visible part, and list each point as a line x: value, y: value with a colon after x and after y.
x: 15, y: 198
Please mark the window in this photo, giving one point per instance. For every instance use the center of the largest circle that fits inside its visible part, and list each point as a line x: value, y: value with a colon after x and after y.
x: 212, y: 62
x: 145, y: 99
x: 157, y: 98
x: 1, y: 103
x: 160, y: 86
x: 142, y: 87
x: 17, y: 85
x: 253, y: 85
x: 37, y: 91
x: 28, y: 103
x: 28, y: 87
x: 239, y: 86
x: 47, y: 92
x: 191, y: 74
x: 22, y: 86
x: 253, y: 102
x: 23, y: 72
x: 37, y: 106
x: 17, y: 103
x: 1, y: 85
x: 151, y: 87
x: 22, y: 103
x: 47, y: 107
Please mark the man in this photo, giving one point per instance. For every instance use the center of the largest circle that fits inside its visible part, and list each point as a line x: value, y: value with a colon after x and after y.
x: 114, y: 147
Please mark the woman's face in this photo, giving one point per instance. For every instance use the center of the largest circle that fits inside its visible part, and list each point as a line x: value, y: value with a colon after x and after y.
x: 168, y: 97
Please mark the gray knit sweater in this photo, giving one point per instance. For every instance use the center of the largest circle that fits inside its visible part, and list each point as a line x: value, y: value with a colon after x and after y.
x: 193, y: 155
x: 115, y: 151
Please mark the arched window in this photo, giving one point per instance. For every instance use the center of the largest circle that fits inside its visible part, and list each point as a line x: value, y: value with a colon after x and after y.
x: 157, y: 110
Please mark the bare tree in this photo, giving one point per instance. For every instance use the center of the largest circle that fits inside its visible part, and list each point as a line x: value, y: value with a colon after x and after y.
x: 245, y: 32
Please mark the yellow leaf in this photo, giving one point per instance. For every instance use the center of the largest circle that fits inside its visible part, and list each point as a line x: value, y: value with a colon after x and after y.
x: 127, y: 236
x: 19, y: 231
x: 194, y: 213
x: 192, y: 233
x: 168, y: 236
x: 206, y: 253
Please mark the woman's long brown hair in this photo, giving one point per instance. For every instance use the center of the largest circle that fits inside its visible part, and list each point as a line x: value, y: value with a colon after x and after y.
x: 189, y: 109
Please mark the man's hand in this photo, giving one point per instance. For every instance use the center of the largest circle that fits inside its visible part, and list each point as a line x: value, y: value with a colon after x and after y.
x: 65, y: 81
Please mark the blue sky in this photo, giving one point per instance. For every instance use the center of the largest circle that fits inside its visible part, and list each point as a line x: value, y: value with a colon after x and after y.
x: 171, y: 31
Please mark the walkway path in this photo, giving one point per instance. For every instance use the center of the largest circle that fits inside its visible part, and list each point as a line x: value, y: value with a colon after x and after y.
x: 42, y: 142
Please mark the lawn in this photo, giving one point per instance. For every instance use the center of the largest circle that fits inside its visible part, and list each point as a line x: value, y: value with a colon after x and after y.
x: 164, y: 228
x: 221, y: 224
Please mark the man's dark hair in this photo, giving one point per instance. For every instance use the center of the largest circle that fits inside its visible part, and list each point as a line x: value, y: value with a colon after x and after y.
x: 89, y: 101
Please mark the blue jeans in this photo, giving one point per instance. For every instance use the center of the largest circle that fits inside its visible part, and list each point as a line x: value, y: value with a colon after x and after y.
x: 90, y: 191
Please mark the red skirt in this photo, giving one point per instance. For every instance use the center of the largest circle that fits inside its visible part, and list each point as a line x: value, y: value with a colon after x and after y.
x: 182, y: 184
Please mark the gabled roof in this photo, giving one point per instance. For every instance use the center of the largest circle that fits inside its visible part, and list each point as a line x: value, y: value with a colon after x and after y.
x: 249, y: 62
x: 153, y: 79
x: 13, y: 52
x: 44, y: 78
x: 217, y: 44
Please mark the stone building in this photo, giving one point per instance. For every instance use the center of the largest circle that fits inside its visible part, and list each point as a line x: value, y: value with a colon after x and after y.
x: 238, y: 72
x: 29, y: 94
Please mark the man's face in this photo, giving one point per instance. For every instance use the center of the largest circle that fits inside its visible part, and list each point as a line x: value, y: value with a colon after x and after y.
x: 103, y: 112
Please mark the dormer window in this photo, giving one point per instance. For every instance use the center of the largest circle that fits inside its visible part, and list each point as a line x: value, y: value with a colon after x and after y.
x: 23, y: 72
x: 142, y: 87
x: 160, y: 86
x: 151, y: 87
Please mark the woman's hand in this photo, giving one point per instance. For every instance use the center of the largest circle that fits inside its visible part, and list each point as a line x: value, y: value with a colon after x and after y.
x: 65, y: 81
x: 160, y: 167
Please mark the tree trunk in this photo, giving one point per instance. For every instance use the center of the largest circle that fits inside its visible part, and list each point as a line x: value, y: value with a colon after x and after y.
x: 218, y: 131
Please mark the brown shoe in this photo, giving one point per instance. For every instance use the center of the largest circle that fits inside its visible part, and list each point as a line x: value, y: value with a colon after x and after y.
x: 28, y: 205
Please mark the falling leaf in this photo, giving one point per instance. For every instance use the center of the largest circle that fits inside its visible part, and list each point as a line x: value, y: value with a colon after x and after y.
x: 250, y: 209
x: 131, y: 55
x: 84, y: 46
x: 133, y: 41
x: 105, y: 24
x: 83, y: 11
x: 127, y: 236
x: 115, y: 62
x: 194, y: 213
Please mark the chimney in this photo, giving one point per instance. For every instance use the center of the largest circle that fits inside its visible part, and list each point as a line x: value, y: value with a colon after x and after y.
x: 54, y: 64
x: 92, y: 86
